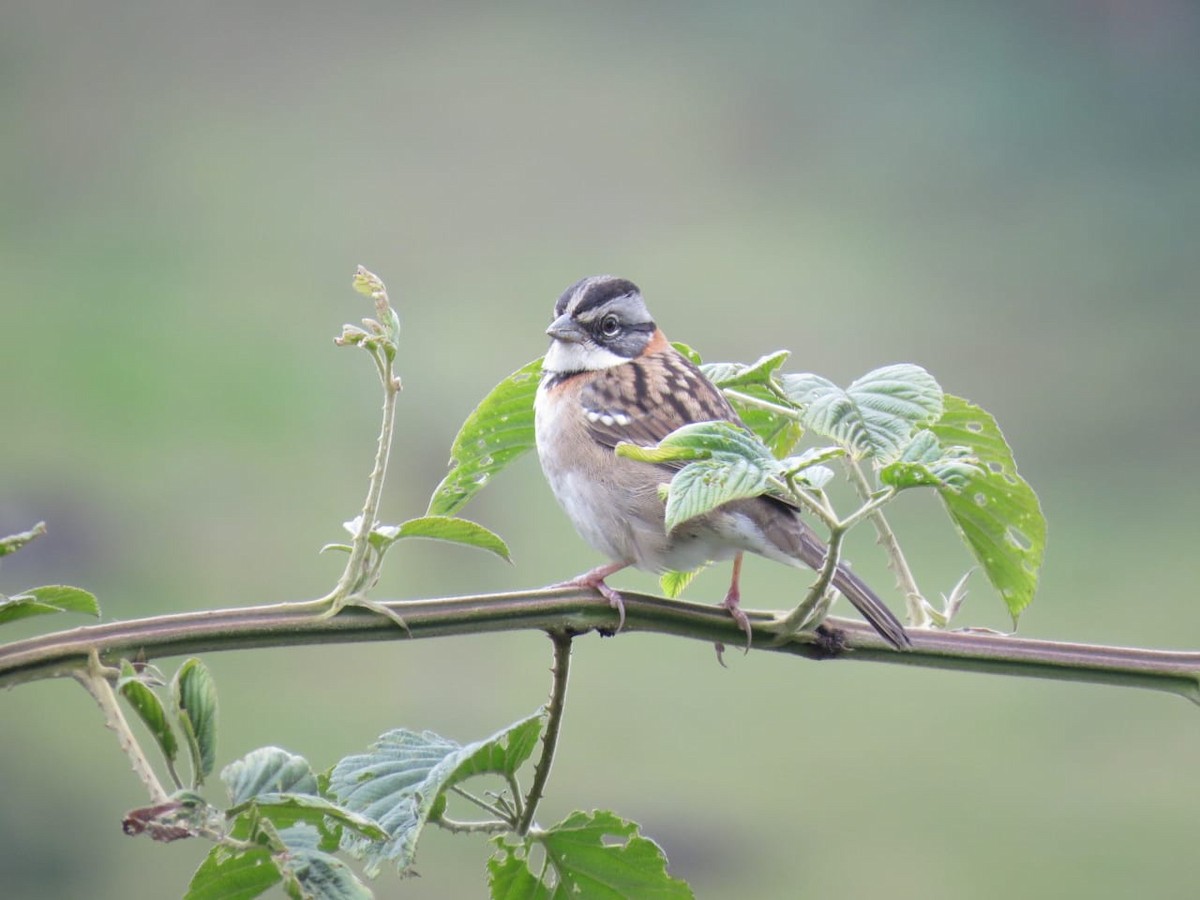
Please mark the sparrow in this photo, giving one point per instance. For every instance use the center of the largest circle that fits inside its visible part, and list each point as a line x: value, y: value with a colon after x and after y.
x: 611, y: 376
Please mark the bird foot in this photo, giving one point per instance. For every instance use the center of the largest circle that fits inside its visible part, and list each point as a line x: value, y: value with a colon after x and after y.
x: 732, y: 604
x: 595, y: 580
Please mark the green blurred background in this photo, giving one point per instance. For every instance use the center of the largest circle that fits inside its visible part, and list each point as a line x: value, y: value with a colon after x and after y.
x: 1007, y: 194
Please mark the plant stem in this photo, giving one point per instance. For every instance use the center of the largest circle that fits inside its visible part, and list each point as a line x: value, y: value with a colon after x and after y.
x: 802, y: 614
x: 918, y: 616
x: 494, y: 826
x: 554, y: 713
x: 578, y: 610
x: 482, y: 804
x: 352, y: 575
x: 96, y: 680
x: 767, y: 405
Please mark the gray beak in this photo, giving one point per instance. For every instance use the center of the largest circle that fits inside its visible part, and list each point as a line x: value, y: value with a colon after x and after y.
x: 564, y: 328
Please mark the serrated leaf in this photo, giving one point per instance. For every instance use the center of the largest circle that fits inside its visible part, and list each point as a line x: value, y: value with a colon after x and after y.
x: 13, y: 542
x: 925, y: 462
x: 289, y: 809
x: 594, y: 855
x: 313, y: 875
x: 509, y: 877
x: 398, y: 782
x: 876, y: 415
x: 740, y: 375
x: 702, y: 440
x: 53, y: 598
x: 195, y: 696
x: 995, y: 510
x: 226, y: 874
x: 149, y: 708
x: 702, y: 486
x: 454, y: 530
x: 498, y: 431
x: 780, y: 431
x: 673, y: 584
x: 268, y: 770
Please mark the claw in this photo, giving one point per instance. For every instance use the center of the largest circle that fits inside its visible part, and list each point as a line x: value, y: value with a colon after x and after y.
x: 595, y: 580
x: 733, y: 600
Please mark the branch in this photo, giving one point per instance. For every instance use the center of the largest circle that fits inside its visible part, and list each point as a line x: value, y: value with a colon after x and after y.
x: 577, y: 610
x: 554, y: 714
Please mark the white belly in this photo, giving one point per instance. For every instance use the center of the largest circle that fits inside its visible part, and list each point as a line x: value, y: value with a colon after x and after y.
x: 620, y: 517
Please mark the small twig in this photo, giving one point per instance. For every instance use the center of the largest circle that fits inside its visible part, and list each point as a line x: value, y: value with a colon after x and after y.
x: 514, y: 788
x: 801, y: 616
x: 918, y: 616
x: 554, y: 713
x: 361, y: 572
x: 494, y: 826
x: 95, y: 681
x: 759, y: 403
x: 483, y: 804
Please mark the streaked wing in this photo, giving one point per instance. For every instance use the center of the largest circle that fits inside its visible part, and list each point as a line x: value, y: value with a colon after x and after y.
x: 646, y: 399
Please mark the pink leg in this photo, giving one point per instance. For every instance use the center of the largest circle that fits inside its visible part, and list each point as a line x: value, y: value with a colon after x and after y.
x: 595, y: 579
x: 733, y: 600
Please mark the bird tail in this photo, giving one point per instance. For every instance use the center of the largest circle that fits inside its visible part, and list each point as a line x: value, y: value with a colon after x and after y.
x: 812, y: 551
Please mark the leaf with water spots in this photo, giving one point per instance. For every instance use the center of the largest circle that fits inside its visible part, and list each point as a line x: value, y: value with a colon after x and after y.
x: 498, y: 431
x: 994, y: 508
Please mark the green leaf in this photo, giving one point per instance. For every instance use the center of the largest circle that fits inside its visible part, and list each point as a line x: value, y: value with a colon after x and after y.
x: 398, y: 782
x: 288, y: 809
x: 701, y: 440
x: 687, y: 352
x: 780, y: 431
x: 455, y: 530
x: 268, y: 770
x: 313, y: 875
x: 149, y: 709
x: 53, y: 598
x: 673, y: 584
x: 14, y: 542
x: 498, y: 431
x: 228, y: 874
x: 926, y: 463
x: 995, y: 510
x: 509, y: 877
x: 725, y: 375
x: 596, y: 856
x: 702, y: 486
x: 195, y: 696
x: 874, y: 417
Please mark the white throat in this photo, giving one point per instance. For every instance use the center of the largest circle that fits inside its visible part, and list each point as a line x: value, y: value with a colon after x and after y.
x: 564, y: 356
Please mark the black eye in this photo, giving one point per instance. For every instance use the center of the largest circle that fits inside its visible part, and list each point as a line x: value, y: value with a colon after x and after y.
x: 610, y: 326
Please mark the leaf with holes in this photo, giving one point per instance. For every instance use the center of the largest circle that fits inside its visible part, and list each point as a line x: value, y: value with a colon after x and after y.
x: 399, y: 782
x: 498, y: 431
x: 926, y: 463
x: 995, y: 510
x: 876, y: 415
x: 593, y: 854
